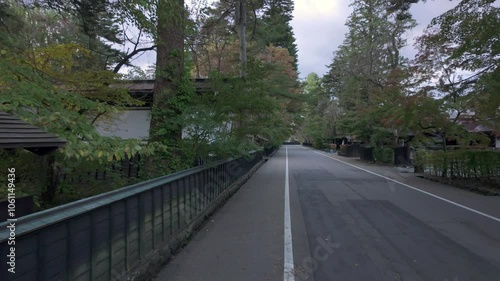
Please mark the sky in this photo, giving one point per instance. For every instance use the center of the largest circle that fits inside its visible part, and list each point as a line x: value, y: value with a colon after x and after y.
x: 319, y: 28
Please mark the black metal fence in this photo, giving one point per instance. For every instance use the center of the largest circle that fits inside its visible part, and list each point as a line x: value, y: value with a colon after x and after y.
x: 402, y: 156
x: 366, y: 153
x: 351, y: 150
x: 105, y: 236
x: 125, y: 168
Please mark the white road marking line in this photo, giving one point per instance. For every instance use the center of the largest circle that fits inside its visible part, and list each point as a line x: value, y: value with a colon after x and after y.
x: 416, y: 189
x: 288, y: 268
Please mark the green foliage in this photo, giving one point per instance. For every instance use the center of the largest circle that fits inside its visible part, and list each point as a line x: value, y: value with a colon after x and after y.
x: 51, y: 81
x: 463, y: 164
x: 320, y: 111
x: 463, y: 40
x: 28, y: 172
x: 81, y: 182
x: 319, y: 144
x: 58, y: 64
x: 68, y: 114
x: 472, y: 27
x: 56, y: 75
x: 383, y: 155
x: 274, y: 27
x: 252, y: 105
x: 429, y: 96
x: 364, y: 92
x: 31, y: 177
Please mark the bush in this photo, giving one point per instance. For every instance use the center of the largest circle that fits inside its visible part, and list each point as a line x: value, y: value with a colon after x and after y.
x: 383, y: 155
x: 80, y: 180
x: 420, y: 160
x: 318, y: 144
x: 465, y: 164
x: 343, y: 150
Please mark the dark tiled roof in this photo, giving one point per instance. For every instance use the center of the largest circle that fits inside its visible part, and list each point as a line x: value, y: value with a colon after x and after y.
x: 143, y: 89
x: 148, y: 85
x: 475, y: 126
x: 15, y: 133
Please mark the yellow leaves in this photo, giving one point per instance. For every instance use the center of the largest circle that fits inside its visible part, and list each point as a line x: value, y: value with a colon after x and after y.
x: 63, y: 57
x: 103, y: 150
x: 70, y: 64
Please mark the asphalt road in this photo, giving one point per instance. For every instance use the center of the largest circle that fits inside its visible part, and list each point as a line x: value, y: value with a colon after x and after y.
x: 346, y: 224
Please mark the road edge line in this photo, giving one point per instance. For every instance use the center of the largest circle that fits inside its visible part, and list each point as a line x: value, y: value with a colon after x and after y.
x: 416, y: 189
x: 288, y: 266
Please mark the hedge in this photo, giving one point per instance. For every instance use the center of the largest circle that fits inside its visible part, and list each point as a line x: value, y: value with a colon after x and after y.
x: 483, y: 165
x: 383, y: 155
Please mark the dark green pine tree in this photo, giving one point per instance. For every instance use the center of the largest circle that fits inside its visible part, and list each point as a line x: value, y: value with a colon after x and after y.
x: 274, y: 27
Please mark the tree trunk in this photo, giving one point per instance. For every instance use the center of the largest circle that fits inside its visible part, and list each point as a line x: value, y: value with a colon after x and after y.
x: 169, y: 65
x: 170, y: 69
x: 241, y: 19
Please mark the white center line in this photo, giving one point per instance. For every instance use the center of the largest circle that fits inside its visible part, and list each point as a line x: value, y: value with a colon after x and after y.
x: 416, y: 189
x: 288, y: 269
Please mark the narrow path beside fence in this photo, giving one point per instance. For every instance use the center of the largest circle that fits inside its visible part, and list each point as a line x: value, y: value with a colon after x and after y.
x: 244, y: 240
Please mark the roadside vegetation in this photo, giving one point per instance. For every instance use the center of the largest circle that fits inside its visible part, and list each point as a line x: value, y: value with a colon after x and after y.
x: 62, y: 64
x: 445, y: 98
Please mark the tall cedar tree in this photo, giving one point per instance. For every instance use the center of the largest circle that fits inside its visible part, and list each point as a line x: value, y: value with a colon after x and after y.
x: 170, y: 67
x: 276, y: 29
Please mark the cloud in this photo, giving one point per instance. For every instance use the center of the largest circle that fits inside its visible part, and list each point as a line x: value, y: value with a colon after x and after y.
x: 319, y: 27
x: 314, y: 8
x: 316, y: 43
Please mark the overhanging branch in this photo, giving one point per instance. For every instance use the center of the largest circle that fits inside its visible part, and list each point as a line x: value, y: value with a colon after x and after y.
x: 129, y: 56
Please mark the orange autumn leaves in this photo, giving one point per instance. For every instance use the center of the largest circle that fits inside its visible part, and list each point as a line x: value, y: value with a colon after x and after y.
x: 281, y: 57
x: 223, y: 57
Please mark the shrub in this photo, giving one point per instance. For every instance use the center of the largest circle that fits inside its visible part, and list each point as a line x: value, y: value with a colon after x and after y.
x: 80, y: 181
x: 383, y: 155
x: 318, y: 144
x: 420, y: 156
x: 466, y: 164
x: 343, y: 150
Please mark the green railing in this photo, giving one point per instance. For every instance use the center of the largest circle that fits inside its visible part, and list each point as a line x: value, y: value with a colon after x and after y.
x: 106, y: 236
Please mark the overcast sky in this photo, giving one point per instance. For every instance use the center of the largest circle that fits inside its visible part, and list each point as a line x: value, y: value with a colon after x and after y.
x: 319, y: 29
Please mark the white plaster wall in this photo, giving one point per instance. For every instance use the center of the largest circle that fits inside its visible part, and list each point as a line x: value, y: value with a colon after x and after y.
x: 130, y: 124
x: 134, y: 124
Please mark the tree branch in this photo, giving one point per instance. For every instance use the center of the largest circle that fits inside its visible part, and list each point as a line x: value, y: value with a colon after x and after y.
x: 129, y: 56
x: 97, y: 116
x: 425, y: 128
